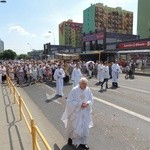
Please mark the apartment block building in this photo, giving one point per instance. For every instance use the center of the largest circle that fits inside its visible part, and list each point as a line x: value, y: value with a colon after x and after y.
x: 70, y: 33
x: 103, y: 18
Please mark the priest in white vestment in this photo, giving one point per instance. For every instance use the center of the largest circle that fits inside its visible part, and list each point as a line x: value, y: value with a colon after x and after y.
x: 115, y: 74
x: 77, y: 115
x: 59, y: 75
x: 76, y: 75
x: 100, y: 72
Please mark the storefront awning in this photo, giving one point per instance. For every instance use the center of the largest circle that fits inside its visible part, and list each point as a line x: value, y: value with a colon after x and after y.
x: 134, y: 51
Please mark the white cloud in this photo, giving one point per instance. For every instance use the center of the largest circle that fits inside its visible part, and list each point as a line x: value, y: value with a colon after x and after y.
x: 20, y: 30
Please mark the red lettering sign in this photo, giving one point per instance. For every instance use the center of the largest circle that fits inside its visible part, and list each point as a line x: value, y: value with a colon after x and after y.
x: 134, y: 44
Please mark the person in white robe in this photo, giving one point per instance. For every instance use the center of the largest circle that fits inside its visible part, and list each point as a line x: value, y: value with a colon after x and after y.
x: 115, y: 74
x: 106, y: 75
x: 40, y: 73
x: 100, y: 72
x: 77, y: 115
x: 76, y: 75
x: 59, y: 74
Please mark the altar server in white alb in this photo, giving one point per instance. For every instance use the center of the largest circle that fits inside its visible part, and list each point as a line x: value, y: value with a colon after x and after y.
x: 76, y: 75
x: 59, y: 74
x: 106, y: 75
x: 77, y: 115
x: 115, y: 74
x: 100, y: 72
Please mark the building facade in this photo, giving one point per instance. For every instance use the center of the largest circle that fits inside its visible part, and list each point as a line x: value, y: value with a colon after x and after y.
x: 143, y: 21
x: 104, y: 25
x: 35, y: 54
x: 1, y: 46
x: 99, y: 18
x: 104, y: 40
x: 70, y: 33
x: 51, y: 50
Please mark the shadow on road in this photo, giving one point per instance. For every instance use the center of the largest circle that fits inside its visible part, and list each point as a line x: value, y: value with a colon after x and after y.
x: 97, y: 83
x: 65, y: 147
x: 51, y: 84
x: 52, y: 99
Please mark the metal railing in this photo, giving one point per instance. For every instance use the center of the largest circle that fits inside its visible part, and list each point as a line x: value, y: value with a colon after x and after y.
x: 32, y: 127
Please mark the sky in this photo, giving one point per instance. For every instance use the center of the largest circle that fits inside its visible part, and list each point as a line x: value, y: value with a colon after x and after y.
x: 26, y: 24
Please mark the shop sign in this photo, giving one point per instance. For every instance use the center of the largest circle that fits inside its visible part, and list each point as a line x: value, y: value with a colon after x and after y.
x: 134, y: 44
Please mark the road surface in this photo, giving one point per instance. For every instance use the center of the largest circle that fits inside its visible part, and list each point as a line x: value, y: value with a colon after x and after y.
x: 121, y: 117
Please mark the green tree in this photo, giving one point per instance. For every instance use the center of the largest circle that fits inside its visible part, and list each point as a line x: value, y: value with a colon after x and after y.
x: 9, y: 54
x: 1, y: 55
x: 23, y: 56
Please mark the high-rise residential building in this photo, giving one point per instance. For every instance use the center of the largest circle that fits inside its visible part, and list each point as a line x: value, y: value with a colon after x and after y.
x: 143, y: 19
x: 103, y: 18
x: 70, y: 33
x: 1, y: 46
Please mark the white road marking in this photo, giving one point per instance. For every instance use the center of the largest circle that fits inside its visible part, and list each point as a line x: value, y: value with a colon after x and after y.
x: 142, y: 117
x: 124, y: 110
x: 130, y: 88
x: 51, y: 96
x: 134, y: 89
x: 50, y: 88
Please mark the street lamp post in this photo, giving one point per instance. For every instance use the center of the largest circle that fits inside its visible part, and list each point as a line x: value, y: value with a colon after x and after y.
x: 53, y: 35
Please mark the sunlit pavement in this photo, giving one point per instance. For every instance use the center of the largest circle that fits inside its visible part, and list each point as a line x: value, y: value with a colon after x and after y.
x: 121, y: 116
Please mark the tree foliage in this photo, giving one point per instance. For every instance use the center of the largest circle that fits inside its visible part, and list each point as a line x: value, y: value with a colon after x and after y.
x: 23, y: 56
x: 9, y: 54
x: 1, y: 56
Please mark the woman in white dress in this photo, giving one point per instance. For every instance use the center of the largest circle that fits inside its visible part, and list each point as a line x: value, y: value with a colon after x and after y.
x: 34, y: 74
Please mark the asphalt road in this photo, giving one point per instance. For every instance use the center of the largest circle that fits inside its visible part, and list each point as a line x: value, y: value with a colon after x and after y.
x: 121, y: 117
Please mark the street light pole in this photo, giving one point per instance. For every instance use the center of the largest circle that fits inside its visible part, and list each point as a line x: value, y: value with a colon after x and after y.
x: 53, y: 35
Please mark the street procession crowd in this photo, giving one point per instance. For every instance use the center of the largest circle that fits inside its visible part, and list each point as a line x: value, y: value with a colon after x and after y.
x: 39, y: 71
x: 77, y: 114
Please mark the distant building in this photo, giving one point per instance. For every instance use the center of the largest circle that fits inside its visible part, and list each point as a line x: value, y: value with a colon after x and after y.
x: 143, y: 20
x: 104, y: 40
x: 1, y: 46
x: 115, y: 20
x: 103, y: 25
x: 70, y: 33
x: 51, y: 50
x: 35, y: 54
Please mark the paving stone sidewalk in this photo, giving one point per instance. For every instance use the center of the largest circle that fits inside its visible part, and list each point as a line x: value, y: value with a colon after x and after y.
x: 14, y: 134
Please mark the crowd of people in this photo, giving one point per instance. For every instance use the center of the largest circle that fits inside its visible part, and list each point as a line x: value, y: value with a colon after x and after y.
x: 31, y: 72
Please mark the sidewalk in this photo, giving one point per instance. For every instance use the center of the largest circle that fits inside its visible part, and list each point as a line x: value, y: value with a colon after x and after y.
x: 13, y: 131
